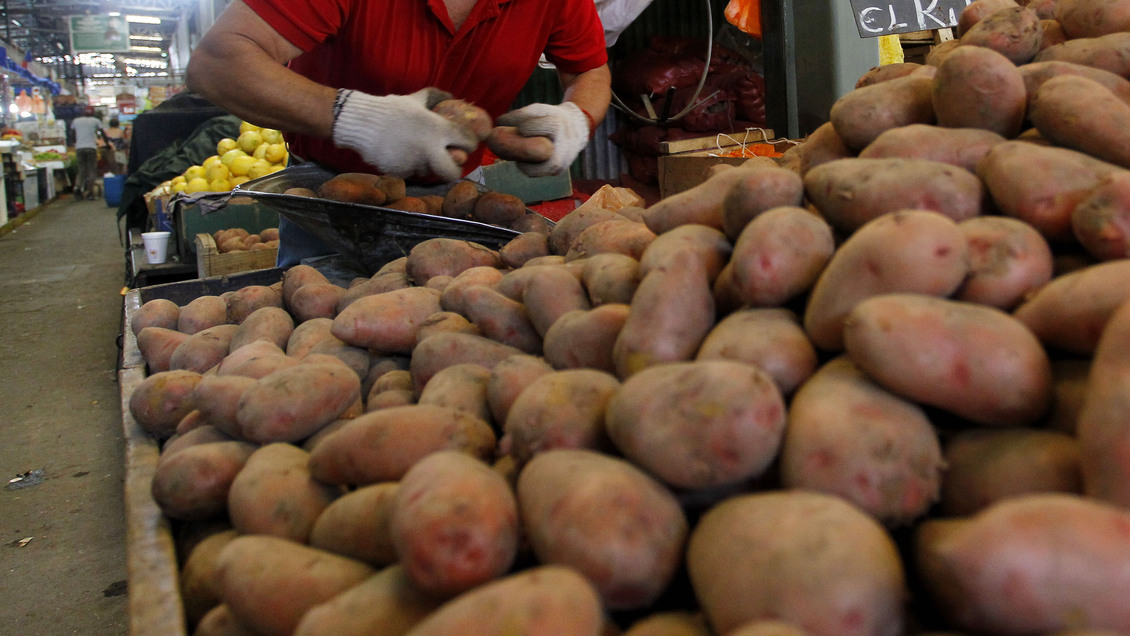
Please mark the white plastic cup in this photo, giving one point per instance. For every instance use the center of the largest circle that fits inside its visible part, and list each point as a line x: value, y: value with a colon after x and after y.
x: 156, y: 246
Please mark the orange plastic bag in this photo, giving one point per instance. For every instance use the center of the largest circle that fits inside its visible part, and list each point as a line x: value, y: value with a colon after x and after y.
x: 746, y: 15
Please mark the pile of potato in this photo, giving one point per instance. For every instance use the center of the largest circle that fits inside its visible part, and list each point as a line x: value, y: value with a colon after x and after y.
x: 877, y: 387
x: 238, y: 239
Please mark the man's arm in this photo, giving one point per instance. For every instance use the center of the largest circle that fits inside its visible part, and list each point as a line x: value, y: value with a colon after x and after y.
x: 591, y: 91
x: 239, y: 65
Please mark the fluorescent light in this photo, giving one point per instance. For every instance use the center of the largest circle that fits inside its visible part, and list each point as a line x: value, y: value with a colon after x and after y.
x: 114, y: 14
x: 147, y: 38
x: 146, y: 49
x: 143, y: 19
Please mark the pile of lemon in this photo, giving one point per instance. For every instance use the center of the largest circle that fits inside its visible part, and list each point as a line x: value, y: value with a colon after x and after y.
x: 255, y: 153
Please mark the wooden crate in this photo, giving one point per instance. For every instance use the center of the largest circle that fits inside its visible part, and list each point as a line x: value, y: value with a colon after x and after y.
x: 684, y: 163
x: 210, y: 262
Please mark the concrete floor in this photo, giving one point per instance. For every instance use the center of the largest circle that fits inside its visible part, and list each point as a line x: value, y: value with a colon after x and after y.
x: 62, y: 547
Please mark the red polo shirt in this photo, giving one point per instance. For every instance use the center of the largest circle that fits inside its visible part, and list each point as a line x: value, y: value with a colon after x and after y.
x: 387, y: 47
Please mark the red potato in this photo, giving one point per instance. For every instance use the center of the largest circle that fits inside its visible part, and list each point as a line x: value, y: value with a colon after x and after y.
x: 768, y: 628
x: 701, y: 205
x: 445, y: 321
x: 293, y: 403
x: 446, y: 546
x: 379, y: 283
x: 1031, y: 564
x: 987, y: 466
x: 884, y: 72
x: 850, y: 192
x: 700, y: 424
x: 616, y: 236
x: 451, y: 298
x: 508, y: 378
x: 669, y: 623
x: 863, y: 114
x: 847, y: 436
x: 766, y: 188
x: 563, y: 409
x: 204, y: 349
x: 217, y: 398
x: 357, y: 524
x: 498, y: 208
x: 769, y: 339
x: 810, y: 559
x: 270, y: 323
x: 506, y: 143
x: 316, y: 300
x: 1008, y: 260
x: 566, y: 231
x: 551, y: 293
x: 160, y: 401
x: 606, y: 519
x: 1103, y: 432
x: 197, y: 578
x: 779, y: 255
x: 157, y: 344
x: 709, y: 244
x: 977, y: 87
x: 585, y: 339
x: 909, y: 251
x: 256, y: 360
x: 532, y: 222
x: 245, y: 300
x: 445, y: 349
x: 219, y: 621
x: 610, y: 278
x: 1109, y: 52
x: 1036, y: 73
x: 977, y: 10
x: 544, y: 600
x: 159, y: 312
x: 820, y: 146
x: 462, y: 387
x: 466, y: 114
x: 1093, y: 18
x: 1101, y: 221
x: 386, y: 603
x: 275, y: 495
x: 386, y: 322
x: 268, y: 583
x: 975, y: 361
x: 447, y: 256
x: 1071, y: 311
x: 382, y: 445
x: 202, y: 312
x: 523, y: 247
x: 939, y: 52
x: 501, y: 319
x: 962, y: 147
x: 193, y: 483
x: 1014, y: 32
x: 1080, y: 113
x: 513, y: 283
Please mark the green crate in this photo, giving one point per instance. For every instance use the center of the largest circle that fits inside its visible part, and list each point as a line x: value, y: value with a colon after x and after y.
x: 208, y: 213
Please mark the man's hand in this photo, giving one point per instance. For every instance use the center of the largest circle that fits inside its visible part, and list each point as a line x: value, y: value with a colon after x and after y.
x: 399, y: 135
x: 567, y: 126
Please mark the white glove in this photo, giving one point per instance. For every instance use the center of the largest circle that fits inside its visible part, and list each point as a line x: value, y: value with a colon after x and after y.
x: 567, y: 126
x: 399, y: 135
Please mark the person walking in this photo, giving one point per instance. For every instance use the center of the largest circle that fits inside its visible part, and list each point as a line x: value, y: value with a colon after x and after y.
x: 86, y: 130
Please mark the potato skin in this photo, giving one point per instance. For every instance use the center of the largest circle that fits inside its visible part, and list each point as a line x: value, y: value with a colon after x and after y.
x: 271, y: 323
x: 1071, y: 311
x: 779, y: 256
x: 505, y: 142
x: 864, y: 113
x: 1014, y: 32
x: 293, y: 403
x: 1101, y: 221
x: 386, y: 603
x: 585, y: 338
x: 1008, y: 260
x: 204, y: 349
x: 202, y: 312
x: 275, y: 495
x: 162, y: 399
x: 768, y: 338
x: 1078, y: 112
x: 498, y: 208
x: 466, y: 114
x: 1104, y: 437
x: 445, y: 256
x: 962, y: 147
x: 563, y: 409
x: 356, y: 525
x: 353, y: 187
x: 386, y: 322
x: 159, y: 312
x: 193, y: 483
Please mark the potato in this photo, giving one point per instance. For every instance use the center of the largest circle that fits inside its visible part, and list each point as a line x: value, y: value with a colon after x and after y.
x: 1008, y: 260
x: 256, y: 360
x: 193, y: 483
x: 501, y: 319
x: 1101, y: 221
x: 217, y: 398
x: 975, y: 361
x: 1014, y: 32
x: 197, y: 579
x: 1071, y: 311
x: 159, y: 312
x: 275, y: 495
x: 297, y: 276
x: 544, y: 600
x: 987, y: 466
x: 976, y: 11
x: 605, y: 518
x: 563, y: 409
x: 386, y: 603
x: 1063, y: 557
x: 445, y: 321
x: 610, y: 278
x: 1036, y: 73
x: 219, y: 621
x: 202, y: 312
x: 157, y: 345
x: 408, y: 204
x: 293, y: 403
x: 269, y: 582
x: 1082, y: 19
x: 451, y: 298
x: 316, y: 300
x: 245, y: 300
x: 847, y: 436
x: 508, y: 378
x: 709, y: 244
x: 939, y: 52
x: 1108, y: 52
x: 462, y: 387
x: 863, y: 114
x: 382, y: 445
x: 977, y: 87
x: 669, y: 623
x: 353, y: 187
x: 962, y: 147
x: 445, y: 546
x: 671, y: 312
x: 204, y: 349
x: 701, y: 204
x: 445, y: 349
x: 273, y: 324
x: 446, y: 256
x: 807, y: 558
x: 850, y: 192
x: 820, y: 146
x: 162, y: 399
x: 524, y: 247
x: 551, y: 293
x: 585, y: 338
x: 532, y: 222
x: 467, y: 115
x: 498, y: 208
x: 764, y: 189
x: 884, y: 72
x: 1098, y: 120
x: 617, y: 236
x: 201, y: 432
x: 356, y: 525
x: 566, y: 231
x: 669, y: 419
x: 768, y: 628
x: 379, y: 283
x: 910, y: 251
x: 387, y: 399
x: 1104, y: 437
x: 356, y: 358
x: 459, y: 201
x: 386, y: 322
x: 513, y: 283
x: 779, y: 256
x: 506, y: 143
x: 769, y: 339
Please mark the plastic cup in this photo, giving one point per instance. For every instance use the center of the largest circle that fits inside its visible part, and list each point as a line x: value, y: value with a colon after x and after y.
x: 156, y: 246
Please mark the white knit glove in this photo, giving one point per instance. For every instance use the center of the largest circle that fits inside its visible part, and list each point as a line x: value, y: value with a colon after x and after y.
x: 567, y: 126
x: 399, y: 135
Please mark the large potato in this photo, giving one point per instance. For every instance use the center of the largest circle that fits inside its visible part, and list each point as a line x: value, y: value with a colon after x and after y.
x: 161, y: 400
x: 863, y: 114
x: 779, y: 255
x: 1103, y: 430
x: 274, y: 494
x: 293, y: 403
x: 386, y: 322
x: 1070, y: 312
x: 386, y: 603
x: 193, y: 483
x: 770, y: 339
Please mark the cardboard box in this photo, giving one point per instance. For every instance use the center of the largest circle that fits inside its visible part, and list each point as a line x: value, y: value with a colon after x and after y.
x: 210, y: 262
x: 684, y: 163
x: 208, y: 213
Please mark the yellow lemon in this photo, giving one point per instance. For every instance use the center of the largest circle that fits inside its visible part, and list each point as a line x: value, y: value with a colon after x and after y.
x: 241, y: 165
x: 230, y: 156
x: 192, y: 172
x: 179, y: 179
x: 271, y: 136
x: 178, y: 187
x: 219, y: 185
x: 196, y: 184
x: 249, y: 140
x: 258, y: 169
x: 260, y: 150
x: 217, y: 173
x: 275, y: 168
x: 275, y: 153
x: 225, y: 144
x: 238, y: 180
x: 246, y: 126
x: 210, y: 161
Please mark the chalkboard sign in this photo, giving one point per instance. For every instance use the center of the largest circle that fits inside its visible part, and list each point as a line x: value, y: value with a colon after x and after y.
x: 886, y: 17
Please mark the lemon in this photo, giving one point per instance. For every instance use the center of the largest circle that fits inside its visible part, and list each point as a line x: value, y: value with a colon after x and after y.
x: 192, y: 172
x: 246, y: 126
x: 231, y: 155
x: 249, y: 140
x: 178, y: 187
x: 258, y: 169
x: 217, y: 173
x: 260, y: 150
x: 238, y: 180
x: 210, y: 161
x: 219, y: 185
x: 275, y: 168
x: 275, y: 153
x: 241, y: 165
x: 196, y: 184
x: 271, y: 136
x: 179, y: 179
x: 225, y: 144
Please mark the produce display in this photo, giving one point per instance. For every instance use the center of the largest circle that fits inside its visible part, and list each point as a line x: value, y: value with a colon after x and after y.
x: 256, y: 152
x: 876, y: 386
x: 237, y: 239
